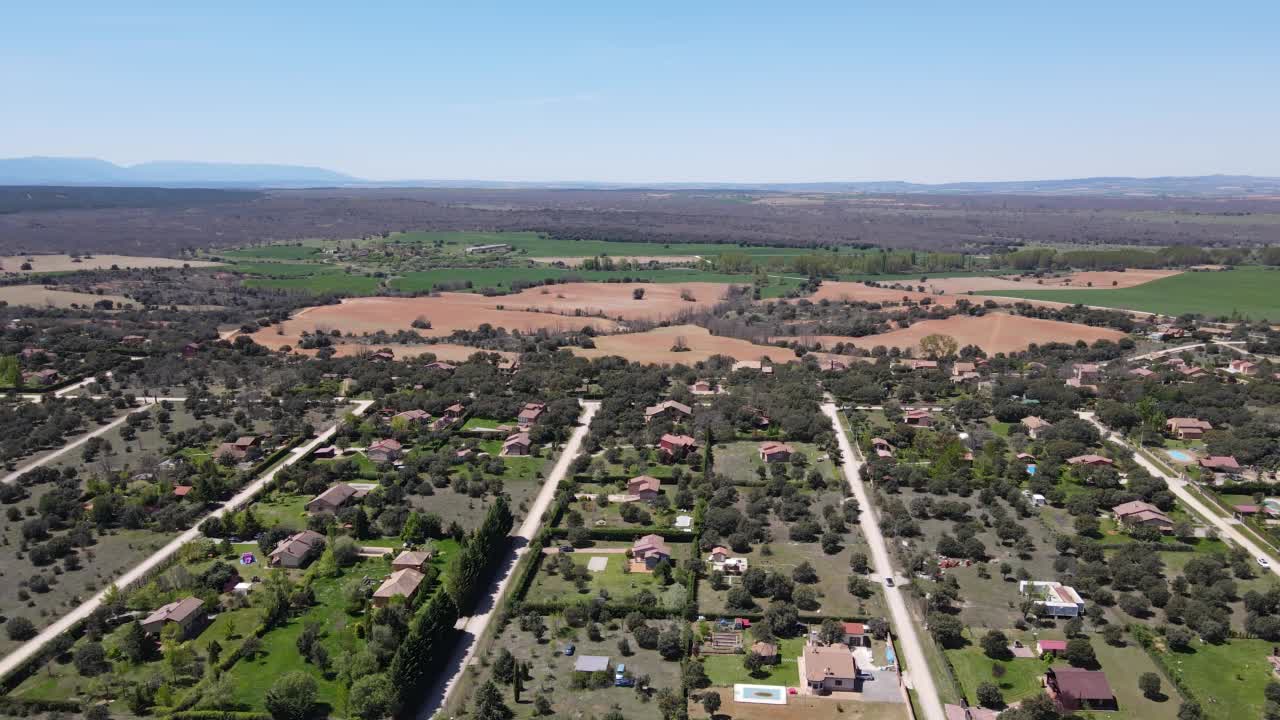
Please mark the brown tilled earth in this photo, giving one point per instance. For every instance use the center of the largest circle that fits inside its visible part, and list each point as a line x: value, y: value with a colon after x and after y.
x: 993, y: 332
x: 63, y: 263
x: 654, y: 346
x: 555, y: 308
x: 1101, y: 280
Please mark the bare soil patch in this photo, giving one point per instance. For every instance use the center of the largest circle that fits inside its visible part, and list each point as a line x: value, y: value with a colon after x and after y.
x: 661, y: 301
x: 571, y: 306
x: 64, y: 263
x: 40, y: 296
x: 993, y: 332
x: 857, y: 292
x: 654, y: 346
x: 1095, y: 280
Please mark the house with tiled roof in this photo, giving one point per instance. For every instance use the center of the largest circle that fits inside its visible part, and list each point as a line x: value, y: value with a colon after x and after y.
x: 1185, y: 428
x: 667, y: 409
x: 772, y: 452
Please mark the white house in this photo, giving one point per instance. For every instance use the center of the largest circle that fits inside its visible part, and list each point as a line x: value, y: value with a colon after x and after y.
x: 1058, y: 600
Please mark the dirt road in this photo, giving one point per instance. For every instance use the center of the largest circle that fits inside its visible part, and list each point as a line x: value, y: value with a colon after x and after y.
x: 32, y: 646
x: 918, y: 676
x: 73, y: 444
x: 475, y: 626
x: 1227, y: 527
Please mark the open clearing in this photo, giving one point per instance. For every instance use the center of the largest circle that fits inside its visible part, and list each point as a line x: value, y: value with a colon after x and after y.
x: 40, y: 296
x: 993, y: 332
x: 556, y: 307
x: 1249, y: 291
x: 64, y: 263
x: 654, y: 346
x: 577, y: 260
x: 1101, y: 279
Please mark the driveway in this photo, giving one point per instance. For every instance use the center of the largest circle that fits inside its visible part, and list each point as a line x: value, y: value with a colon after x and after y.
x: 908, y: 638
x: 474, y: 627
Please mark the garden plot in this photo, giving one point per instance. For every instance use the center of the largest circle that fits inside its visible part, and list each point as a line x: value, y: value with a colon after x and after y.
x: 615, y: 580
x: 783, y: 556
x: 588, y: 511
x: 741, y: 461
x: 552, y: 671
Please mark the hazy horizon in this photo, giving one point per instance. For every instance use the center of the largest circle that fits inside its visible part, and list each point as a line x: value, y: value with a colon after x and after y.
x: 667, y: 93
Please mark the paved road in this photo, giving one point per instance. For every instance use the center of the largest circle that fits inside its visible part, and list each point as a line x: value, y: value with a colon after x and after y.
x: 476, y: 625
x: 918, y: 676
x: 1228, y: 344
x: 29, y: 648
x: 72, y: 445
x: 1227, y: 527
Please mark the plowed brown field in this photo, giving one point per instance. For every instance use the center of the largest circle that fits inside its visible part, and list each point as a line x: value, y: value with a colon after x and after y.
x: 655, y: 345
x: 993, y: 332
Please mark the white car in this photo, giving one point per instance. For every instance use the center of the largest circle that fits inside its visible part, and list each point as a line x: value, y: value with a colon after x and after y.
x: 1264, y: 562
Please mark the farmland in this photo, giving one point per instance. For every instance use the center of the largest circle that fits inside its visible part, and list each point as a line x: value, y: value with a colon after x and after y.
x: 1244, y: 291
x: 993, y: 332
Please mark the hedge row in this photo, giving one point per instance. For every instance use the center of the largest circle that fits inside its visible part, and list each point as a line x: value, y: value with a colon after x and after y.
x: 22, y: 707
x: 218, y: 715
x: 1143, y: 635
x: 668, y: 534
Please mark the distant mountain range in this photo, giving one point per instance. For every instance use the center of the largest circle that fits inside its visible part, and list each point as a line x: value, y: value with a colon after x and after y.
x: 95, y: 172
x: 92, y: 171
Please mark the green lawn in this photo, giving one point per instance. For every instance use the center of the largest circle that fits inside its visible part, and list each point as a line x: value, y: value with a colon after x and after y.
x: 1250, y: 291
x: 1021, y: 678
x: 252, y: 678
x: 1123, y: 666
x: 549, y: 587
x: 476, y: 423
x: 726, y: 670
x: 280, y: 509
x: 1227, y: 679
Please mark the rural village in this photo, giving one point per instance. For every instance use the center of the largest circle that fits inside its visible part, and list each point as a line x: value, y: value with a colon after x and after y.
x: 496, y: 475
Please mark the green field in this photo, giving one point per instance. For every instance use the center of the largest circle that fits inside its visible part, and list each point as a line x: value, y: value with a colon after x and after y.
x: 537, y: 245
x: 273, y: 252
x: 1249, y: 291
x: 322, y: 282
x: 503, y: 277
x: 726, y: 670
x: 1227, y: 679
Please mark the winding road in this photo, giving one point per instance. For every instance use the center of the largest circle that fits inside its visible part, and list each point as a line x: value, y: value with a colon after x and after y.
x: 917, y: 676
x: 1225, y: 526
x: 474, y: 626
x: 139, y: 571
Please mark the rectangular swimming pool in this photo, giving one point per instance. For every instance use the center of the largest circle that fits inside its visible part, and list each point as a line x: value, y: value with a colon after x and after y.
x: 762, y: 694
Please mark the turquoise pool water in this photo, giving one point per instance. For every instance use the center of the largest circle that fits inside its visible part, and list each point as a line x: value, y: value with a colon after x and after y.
x: 767, y: 694
x: 1031, y: 469
x: 1179, y: 455
x: 889, y: 656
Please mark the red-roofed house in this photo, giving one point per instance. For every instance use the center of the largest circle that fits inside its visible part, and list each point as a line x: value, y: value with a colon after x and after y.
x: 1243, y: 367
x: 675, y: 446
x: 918, y: 418
x: 517, y: 444
x: 856, y: 634
x: 384, y: 450
x: 1057, y: 647
x: 651, y: 550
x: 1188, y: 428
x: 669, y: 409
x: 1093, y: 460
x: 1221, y: 464
x: 644, y: 487
x: 772, y: 452
x: 530, y: 413
x: 1141, y: 513
x: 1035, y: 426
x: 1075, y: 689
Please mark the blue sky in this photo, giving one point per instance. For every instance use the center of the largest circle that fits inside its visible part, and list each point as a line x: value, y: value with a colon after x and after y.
x: 653, y: 91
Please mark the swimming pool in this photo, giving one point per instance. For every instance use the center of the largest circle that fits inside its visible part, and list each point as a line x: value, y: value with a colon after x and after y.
x: 1179, y: 455
x: 889, y: 657
x: 763, y: 694
x: 1031, y: 469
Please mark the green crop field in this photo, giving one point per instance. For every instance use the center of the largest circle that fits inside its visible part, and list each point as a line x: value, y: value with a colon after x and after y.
x: 503, y: 277
x: 323, y: 282
x: 537, y: 245
x: 1248, y: 291
x: 284, y: 269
